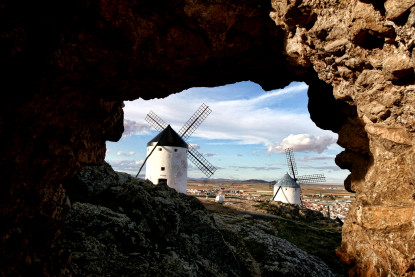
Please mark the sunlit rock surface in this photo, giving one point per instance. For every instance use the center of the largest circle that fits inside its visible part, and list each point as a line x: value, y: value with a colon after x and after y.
x: 364, y: 50
x: 68, y: 65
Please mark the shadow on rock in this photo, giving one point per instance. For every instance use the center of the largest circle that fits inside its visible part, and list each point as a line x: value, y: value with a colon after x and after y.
x: 122, y: 226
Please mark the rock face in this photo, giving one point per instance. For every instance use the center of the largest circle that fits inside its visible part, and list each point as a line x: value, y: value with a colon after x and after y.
x: 364, y: 50
x: 146, y: 230
x: 68, y: 65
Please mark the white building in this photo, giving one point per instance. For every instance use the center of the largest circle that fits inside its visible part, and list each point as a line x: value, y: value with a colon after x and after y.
x: 220, y: 198
x: 168, y: 162
x: 287, y: 190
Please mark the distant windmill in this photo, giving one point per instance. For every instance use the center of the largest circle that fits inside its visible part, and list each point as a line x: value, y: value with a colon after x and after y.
x: 287, y: 189
x: 169, y: 162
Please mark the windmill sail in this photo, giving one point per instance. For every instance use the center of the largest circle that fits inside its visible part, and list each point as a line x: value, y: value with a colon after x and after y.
x: 313, y: 178
x: 198, y: 160
x: 155, y: 121
x: 292, y: 167
x: 185, y: 132
x: 194, y: 121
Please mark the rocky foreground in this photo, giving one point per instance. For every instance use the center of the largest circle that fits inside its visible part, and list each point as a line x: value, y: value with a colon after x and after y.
x: 121, y: 226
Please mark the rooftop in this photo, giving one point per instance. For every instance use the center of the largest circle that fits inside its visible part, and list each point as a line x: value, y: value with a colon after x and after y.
x: 287, y: 182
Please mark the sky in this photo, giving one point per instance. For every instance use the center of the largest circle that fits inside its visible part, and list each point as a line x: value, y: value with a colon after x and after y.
x: 244, y: 137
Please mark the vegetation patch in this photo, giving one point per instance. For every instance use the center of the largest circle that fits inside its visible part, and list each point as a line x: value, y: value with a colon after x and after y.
x: 309, y: 230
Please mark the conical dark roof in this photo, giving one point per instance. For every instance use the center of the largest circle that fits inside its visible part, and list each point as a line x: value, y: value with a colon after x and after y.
x: 287, y: 182
x: 168, y: 137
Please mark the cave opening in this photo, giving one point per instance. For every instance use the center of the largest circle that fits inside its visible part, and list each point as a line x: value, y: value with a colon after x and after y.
x: 244, y: 136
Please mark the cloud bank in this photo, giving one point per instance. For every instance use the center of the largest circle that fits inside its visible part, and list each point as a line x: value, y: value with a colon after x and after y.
x: 240, y: 112
x: 123, y: 154
x: 194, y: 146
x: 303, y: 143
x: 126, y: 165
x: 132, y: 127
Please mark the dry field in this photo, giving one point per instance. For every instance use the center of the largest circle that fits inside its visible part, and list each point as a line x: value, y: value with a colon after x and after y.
x: 263, y: 191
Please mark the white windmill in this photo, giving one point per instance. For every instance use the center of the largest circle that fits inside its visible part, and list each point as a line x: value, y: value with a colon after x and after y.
x: 167, y: 152
x: 287, y: 189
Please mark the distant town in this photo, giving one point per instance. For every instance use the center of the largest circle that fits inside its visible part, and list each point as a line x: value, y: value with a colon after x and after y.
x: 332, y: 200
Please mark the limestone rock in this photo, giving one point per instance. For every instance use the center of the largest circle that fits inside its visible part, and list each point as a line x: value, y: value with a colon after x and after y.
x: 411, y: 17
x: 367, y: 30
x: 94, y: 180
x: 395, y: 8
x: 378, y: 138
x: 399, y: 68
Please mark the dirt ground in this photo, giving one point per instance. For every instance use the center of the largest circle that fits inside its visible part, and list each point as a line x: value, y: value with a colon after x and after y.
x: 234, y: 205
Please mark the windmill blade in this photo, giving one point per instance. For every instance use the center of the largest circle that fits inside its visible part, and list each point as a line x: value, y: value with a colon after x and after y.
x: 194, y: 121
x: 200, y: 161
x: 313, y: 178
x: 155, y: 121
x: 291, y: 162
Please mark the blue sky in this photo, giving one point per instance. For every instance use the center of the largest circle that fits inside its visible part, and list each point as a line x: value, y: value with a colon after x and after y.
x: 244, y: 137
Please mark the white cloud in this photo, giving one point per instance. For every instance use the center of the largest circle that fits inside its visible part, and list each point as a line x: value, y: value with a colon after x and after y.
x: 256, y: 152
x: 194, y: 146
x: 317, y: 158
x: 264, y: 97
x: 261, y: 168
x: 132, y: 127
x: 303, y: 143
x: 251, y: 118
x: 129, y: 166
x: 120, y: 153
x: 210, y: 154
x: 242, y: 114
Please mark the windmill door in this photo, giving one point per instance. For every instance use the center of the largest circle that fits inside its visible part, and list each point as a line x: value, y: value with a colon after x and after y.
x: 162, y: 181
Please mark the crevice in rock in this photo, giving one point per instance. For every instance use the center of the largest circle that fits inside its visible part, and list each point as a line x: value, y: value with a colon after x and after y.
x: 403, y: 18
x: 377, y: 4
x: 369, y: 39
x: 404, y: 77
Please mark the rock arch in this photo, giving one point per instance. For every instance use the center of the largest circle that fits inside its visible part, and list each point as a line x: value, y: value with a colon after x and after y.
x: 69, y: 65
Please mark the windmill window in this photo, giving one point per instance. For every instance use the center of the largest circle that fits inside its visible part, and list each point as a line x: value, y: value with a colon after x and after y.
x: 159, y: 148
x: 175, y: 150
x: 163, y: 168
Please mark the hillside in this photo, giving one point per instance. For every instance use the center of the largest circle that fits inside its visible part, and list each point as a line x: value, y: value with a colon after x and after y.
x: 121, y: 226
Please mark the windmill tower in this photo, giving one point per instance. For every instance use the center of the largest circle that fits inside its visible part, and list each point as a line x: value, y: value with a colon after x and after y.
x: 287, y: 189
x: 167, y: 152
